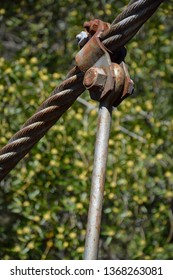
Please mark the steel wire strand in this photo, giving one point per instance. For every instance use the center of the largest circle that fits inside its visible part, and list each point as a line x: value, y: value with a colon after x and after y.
x: 127, y: 24
x: 123, y: 28
x: 46, y: 116
x: 133, y: 7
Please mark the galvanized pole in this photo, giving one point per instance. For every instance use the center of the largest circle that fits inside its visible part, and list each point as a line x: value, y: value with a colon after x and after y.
x: 98, y: 180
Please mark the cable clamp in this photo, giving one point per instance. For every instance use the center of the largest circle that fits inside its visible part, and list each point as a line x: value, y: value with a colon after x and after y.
x: 106, y: 74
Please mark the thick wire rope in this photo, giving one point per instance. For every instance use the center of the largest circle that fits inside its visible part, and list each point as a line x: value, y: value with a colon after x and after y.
x: 123, y: 28
x: 127, y: 24
x: 46, y: 116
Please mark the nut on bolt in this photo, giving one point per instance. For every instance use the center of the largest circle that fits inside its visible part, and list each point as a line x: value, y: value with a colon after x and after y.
x: 95, y: 77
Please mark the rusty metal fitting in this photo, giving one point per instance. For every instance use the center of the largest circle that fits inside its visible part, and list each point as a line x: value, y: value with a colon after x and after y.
x: 103, y: 78
x: 119, y: 77
x: 92, y: 26
x: 94, y: 77
x: 128, y: 87
x: 95, y: 80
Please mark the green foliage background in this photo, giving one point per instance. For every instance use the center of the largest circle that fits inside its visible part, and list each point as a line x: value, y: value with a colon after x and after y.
x: 44, y: 200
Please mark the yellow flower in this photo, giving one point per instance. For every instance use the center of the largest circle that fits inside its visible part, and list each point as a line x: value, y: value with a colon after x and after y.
x: 19, y: 231
x: 72, y: 235
x: 54, y: 163
x: 26, y: 230
x: 66, y: 160
x: 137, y: 128
x: 160, y: 141
x: 93, y: 112
x: 117, y: 113
x: 61, y: 229
x: 78, y: 116
x: 138, y: 109
x: 28, y: 73
x: 147, y: 258
x: 159, y: 156
x: 74, y: 13
x: 101, y: 12
x: 43, y: 77
x: 82, y: 176
x: 34, y: 60
x: 22, y: 60
x: 36, y: 218
x: 2, y: 88
x: 113, y: 184
x: 79, y: 205
x: 38, y: 156
x: 120, y: 136
x: 111, y: 142
x: 79, y: 163
x: 149, y: 105
x: 56, y: 75
x: 143, y: 156
x: 70, y: 188
x: 148, y: 135
x: 111, y: 196
x: 168, y: 174
x: 65, y: 244
x: 130, y: 163
x: 26, y: 203
x: 159, y: 250
x: 31, y: 245
x: 2, y: 11
x: 49, y: 243
x: 116, y: 210
x: 80, y: 250
x: 73, y: 199
x: 169, y: 194
x: 54, y: 151
x: 111, y: 233
x: 17, y: 248
x: 143, y: 242
x: 136, y: 198
x: 47, y: 216
x: 11, y: 89
x: 108, y: 11
x: 8, y: 71
x: 60, y: 236
x: 162, y: 208
x: 2, y: 60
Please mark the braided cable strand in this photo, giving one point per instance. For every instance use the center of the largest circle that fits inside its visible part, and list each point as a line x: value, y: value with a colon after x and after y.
x: 123, y: 28
x: 127, y: 24
x: 46, y: 116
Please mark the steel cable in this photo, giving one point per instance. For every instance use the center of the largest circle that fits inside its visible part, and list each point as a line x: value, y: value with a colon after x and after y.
x: 127, y: 24
x: 46, y: 116
x: 123, y: 28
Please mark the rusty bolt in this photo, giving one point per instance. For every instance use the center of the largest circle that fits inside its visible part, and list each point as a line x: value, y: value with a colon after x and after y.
x: 95, y: 77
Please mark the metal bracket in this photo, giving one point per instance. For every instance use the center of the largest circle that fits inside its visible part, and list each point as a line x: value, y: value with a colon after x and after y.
x: 103, y: 77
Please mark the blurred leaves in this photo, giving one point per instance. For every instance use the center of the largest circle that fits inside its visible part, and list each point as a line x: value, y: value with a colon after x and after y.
x: 44, y: 200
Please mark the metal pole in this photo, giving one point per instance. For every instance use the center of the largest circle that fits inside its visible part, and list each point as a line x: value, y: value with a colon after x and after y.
x: 98, y: 180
